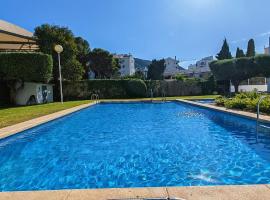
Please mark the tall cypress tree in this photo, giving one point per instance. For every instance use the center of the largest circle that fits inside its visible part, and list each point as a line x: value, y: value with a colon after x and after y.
x: 224, y: 52
x: 239, y: 53
x: 251, y: 48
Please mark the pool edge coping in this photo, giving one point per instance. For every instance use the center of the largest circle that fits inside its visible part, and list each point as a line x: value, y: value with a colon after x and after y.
x: 240, y: 113
x: 226, y: 192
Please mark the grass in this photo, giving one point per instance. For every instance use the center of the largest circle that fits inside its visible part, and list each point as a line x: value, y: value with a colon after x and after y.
x: 13, y: 115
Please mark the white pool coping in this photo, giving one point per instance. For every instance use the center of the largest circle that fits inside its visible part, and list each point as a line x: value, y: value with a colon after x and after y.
x: 249, y: 115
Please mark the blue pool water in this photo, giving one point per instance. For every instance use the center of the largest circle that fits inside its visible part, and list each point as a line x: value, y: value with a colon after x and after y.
x: 136, y: 145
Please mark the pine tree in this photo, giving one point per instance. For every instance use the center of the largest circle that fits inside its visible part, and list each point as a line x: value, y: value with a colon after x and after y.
x: 224, y: 52
x: 251, y: 48
x: 239, y: 53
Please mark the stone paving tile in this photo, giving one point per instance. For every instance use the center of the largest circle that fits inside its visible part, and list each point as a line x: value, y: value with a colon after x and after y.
x: 118, y: 194
x: 250, y: 192
x: 37, y: 195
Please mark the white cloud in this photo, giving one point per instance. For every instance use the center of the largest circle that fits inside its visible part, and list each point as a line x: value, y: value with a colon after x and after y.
x: 264, y: 34
x: 238, y: 41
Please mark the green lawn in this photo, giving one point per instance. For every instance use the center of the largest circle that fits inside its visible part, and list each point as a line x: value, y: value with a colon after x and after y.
x: 13, y: 115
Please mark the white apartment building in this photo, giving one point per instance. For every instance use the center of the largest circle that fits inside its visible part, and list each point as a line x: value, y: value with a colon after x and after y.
x: 127, y: 64
x: 199, y: 69
x: 172, y: 67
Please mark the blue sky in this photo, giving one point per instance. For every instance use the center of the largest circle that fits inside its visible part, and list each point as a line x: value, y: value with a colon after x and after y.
x: 188, y: 29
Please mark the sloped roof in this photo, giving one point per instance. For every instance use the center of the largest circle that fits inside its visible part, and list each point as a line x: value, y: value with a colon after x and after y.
x: 15, y: 38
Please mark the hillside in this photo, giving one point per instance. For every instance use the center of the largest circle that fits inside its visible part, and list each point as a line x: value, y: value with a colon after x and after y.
x: 141, y: 64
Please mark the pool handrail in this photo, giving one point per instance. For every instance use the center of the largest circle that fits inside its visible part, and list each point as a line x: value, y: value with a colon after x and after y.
x: 95, y: 98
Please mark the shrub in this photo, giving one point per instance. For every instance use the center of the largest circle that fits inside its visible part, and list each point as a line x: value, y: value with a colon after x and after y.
x: 236, y: 103
x: 220, y: 101
x: 136, y: 88
x: 245, y: 101
x: 36, y: 67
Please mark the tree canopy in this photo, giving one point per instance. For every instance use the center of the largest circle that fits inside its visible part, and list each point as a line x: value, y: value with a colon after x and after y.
x: 50, y: 35
x: 224, y: 52
x: 239, y: 53
x: 239, y: 69
x: 83, y: 48
x: 251, y: 48
x: 103, y: 64
x: 156, y: 70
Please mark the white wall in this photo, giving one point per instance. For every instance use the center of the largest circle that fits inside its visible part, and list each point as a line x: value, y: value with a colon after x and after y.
x: 250, y: 88
x: 29, y: 89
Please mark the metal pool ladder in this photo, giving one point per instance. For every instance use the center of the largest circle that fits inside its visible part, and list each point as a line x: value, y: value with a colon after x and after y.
x: 163, y: 97
x: 152, y: 94
x: 95, y: 98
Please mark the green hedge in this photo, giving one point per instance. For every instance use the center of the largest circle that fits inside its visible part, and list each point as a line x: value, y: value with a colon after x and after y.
x: 128, y: 88
x: 240, y: 69
x: 36, y: 67
x: 105, y: 88
x: 136, y: 88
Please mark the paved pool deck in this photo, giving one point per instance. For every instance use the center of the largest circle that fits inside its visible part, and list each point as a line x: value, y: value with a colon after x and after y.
x: 247, y: 192
x: 263, y: 118
x: 254, y: 192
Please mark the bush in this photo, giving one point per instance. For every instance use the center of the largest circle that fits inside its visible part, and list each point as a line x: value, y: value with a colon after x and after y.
x: 236, y: 103
x: 220, y: 101
x: 245, y: 101
x: 136, y: 88
x: 36, y: 67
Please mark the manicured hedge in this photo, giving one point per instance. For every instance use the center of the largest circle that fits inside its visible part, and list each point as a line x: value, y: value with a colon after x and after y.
x: 36, y: 67
x: 136, y: 88
x: 239, y: 69
x: 105, y: 88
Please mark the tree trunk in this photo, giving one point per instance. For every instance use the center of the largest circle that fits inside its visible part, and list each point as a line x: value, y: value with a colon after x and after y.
x: 14, y: 86
x: 236, y: 86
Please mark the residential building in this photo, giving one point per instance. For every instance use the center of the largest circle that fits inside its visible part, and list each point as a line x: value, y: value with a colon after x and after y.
x: 200, y: 69
x: 172, y: 67
x: 127, y: 64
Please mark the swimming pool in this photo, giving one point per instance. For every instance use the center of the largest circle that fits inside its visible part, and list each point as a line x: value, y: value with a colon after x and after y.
x: 136, y: 145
